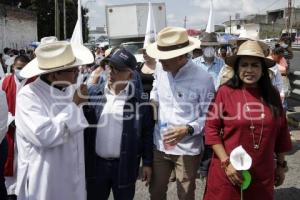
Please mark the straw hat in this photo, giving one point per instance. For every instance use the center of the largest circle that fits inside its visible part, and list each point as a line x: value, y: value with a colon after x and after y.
x: 209, y: 39
x: 172, y: 42
x: 245, y: 36
x: 249, y: 48
x: 53, y: 55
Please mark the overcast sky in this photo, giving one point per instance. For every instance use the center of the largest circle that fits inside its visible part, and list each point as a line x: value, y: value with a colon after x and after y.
x: 196, y: 10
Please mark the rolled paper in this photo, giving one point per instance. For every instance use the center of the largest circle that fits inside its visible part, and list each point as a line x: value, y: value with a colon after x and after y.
x: 240, y: 159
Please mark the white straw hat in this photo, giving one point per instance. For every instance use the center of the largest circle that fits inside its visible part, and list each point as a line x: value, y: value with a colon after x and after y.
x: 54, y: 56
x: 172, y: 42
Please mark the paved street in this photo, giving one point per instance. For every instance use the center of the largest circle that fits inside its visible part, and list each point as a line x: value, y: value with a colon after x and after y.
x: 290, y: 190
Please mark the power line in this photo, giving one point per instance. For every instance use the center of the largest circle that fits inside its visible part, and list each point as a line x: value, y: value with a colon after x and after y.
x: 269, y: 6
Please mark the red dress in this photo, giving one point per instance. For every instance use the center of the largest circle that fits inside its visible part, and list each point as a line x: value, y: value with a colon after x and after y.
x: 275, y: 138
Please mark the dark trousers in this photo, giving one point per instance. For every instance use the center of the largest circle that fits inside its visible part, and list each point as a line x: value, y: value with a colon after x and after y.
x: 205, y: 162
x: 107, y: 179
x: 3, y: 155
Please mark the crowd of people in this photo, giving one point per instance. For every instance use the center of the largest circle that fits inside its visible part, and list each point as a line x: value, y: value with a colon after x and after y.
x: 76, y: 124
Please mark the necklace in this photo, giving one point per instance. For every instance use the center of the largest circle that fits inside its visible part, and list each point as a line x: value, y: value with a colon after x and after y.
x: 252, y: 127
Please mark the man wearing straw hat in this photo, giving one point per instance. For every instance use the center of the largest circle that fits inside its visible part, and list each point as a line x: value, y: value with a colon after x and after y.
x: 182, y: 92
x: 209, y: 61
x: 50, y: 124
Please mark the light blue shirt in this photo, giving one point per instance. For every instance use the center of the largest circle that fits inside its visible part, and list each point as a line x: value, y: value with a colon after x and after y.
x: 183, y: 99
x: 213, y: 69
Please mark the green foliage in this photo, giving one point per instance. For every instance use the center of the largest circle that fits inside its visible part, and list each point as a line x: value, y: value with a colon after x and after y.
x: 45, y: 16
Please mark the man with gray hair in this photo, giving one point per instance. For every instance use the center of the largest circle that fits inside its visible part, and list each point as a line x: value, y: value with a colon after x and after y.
x: 182, y: 92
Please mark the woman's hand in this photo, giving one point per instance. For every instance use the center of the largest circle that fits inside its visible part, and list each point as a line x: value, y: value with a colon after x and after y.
x: 279, y: 176
x: 233, y: 175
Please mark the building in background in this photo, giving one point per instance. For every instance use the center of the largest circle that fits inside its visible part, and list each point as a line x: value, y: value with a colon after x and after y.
x: 269, y: 25
x: 18, y: 27
x: 98, y: 35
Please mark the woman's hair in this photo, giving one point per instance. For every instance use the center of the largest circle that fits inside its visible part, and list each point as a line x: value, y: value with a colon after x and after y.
x: 268, y: 91
x: 278, y: 50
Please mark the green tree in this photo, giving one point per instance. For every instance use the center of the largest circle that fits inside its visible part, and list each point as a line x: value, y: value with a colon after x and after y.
x: 45, y: 16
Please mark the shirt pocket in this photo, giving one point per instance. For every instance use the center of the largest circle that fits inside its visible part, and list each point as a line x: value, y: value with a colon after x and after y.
x: 185, y: 99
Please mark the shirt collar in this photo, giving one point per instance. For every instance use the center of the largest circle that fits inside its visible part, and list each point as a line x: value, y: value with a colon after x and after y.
x: 183, y: 68
x: 123, y: 93
x: 203, y: 61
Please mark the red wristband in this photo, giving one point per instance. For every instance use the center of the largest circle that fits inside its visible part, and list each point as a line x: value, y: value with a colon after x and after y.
x: 225, y: 163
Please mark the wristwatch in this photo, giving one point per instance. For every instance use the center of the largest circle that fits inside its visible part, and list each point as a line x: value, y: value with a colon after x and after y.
x: 190, y: 130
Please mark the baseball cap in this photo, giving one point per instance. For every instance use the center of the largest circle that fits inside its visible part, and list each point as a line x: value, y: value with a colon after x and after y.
x: 122, y: 59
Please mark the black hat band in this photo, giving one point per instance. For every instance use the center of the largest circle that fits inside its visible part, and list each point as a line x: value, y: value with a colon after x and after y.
x: 173, y: 47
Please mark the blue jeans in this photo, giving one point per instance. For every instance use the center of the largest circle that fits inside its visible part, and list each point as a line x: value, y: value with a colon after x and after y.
x: 107, y: 176
x: 3, y: 155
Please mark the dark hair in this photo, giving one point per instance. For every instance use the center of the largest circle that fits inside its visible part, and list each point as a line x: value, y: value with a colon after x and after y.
x: 22, y: 52
x: 15, y: 52
x: 268, y: 91
x: 223, y: 47
x: 22, y: 58
x: 6, y: 50
x: 278, y: 50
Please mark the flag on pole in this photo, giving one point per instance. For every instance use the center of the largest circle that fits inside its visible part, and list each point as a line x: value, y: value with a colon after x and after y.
x: 77, y: 33
x: 1, y: 72
x: 150, y: 35
x: 211, y: 21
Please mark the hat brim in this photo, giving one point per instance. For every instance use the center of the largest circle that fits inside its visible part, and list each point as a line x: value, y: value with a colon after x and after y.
x: 118, y: 65
x: 230, y: 61
x: 82, y: 54
x: 154, y: 52
x: 210, y: 44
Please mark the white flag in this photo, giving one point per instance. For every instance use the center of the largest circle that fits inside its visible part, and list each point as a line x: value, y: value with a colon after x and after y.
x: 77, y: 33
x: 150, y: 35
x: 211, y: 21
x: 1, y: 72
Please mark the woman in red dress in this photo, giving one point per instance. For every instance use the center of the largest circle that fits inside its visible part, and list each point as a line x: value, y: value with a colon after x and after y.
x: 247, y: 111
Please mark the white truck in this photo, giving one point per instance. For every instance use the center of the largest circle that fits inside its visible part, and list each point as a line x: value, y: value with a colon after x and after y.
x: 127, y: 23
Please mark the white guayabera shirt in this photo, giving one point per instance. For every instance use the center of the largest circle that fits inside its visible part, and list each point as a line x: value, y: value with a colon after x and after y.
x: 50, y: 142
x: 3, y: 115
x: 183, y: 99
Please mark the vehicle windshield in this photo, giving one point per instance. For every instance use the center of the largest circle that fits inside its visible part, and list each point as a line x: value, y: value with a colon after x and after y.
x: 133, y: 47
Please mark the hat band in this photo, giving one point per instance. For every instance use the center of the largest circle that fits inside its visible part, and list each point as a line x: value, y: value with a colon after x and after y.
x: 173, y: 47
x: 70, y: 63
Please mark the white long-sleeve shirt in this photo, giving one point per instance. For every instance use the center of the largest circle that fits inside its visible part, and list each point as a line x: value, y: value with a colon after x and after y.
x: 183, y: 99
x: 3, y: 115
x: 277, y: 80
x: 50, y: 142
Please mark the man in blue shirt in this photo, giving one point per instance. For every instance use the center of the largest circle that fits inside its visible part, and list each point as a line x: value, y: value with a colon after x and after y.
x: 182, y: 92
x: 209, y: 61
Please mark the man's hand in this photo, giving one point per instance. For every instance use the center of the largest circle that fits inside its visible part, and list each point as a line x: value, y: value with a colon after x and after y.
x: 96, y: 77
x: 80, y: 95
x: 233, y: 175
x: 147, y: 173
x: 174, y: 135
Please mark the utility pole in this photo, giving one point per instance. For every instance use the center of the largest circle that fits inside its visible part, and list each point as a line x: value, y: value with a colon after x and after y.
x: 289, y: 15
x: 230, y: 24
x: 185, y: 20
x: 65, y: 19
x: 57, y: 24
